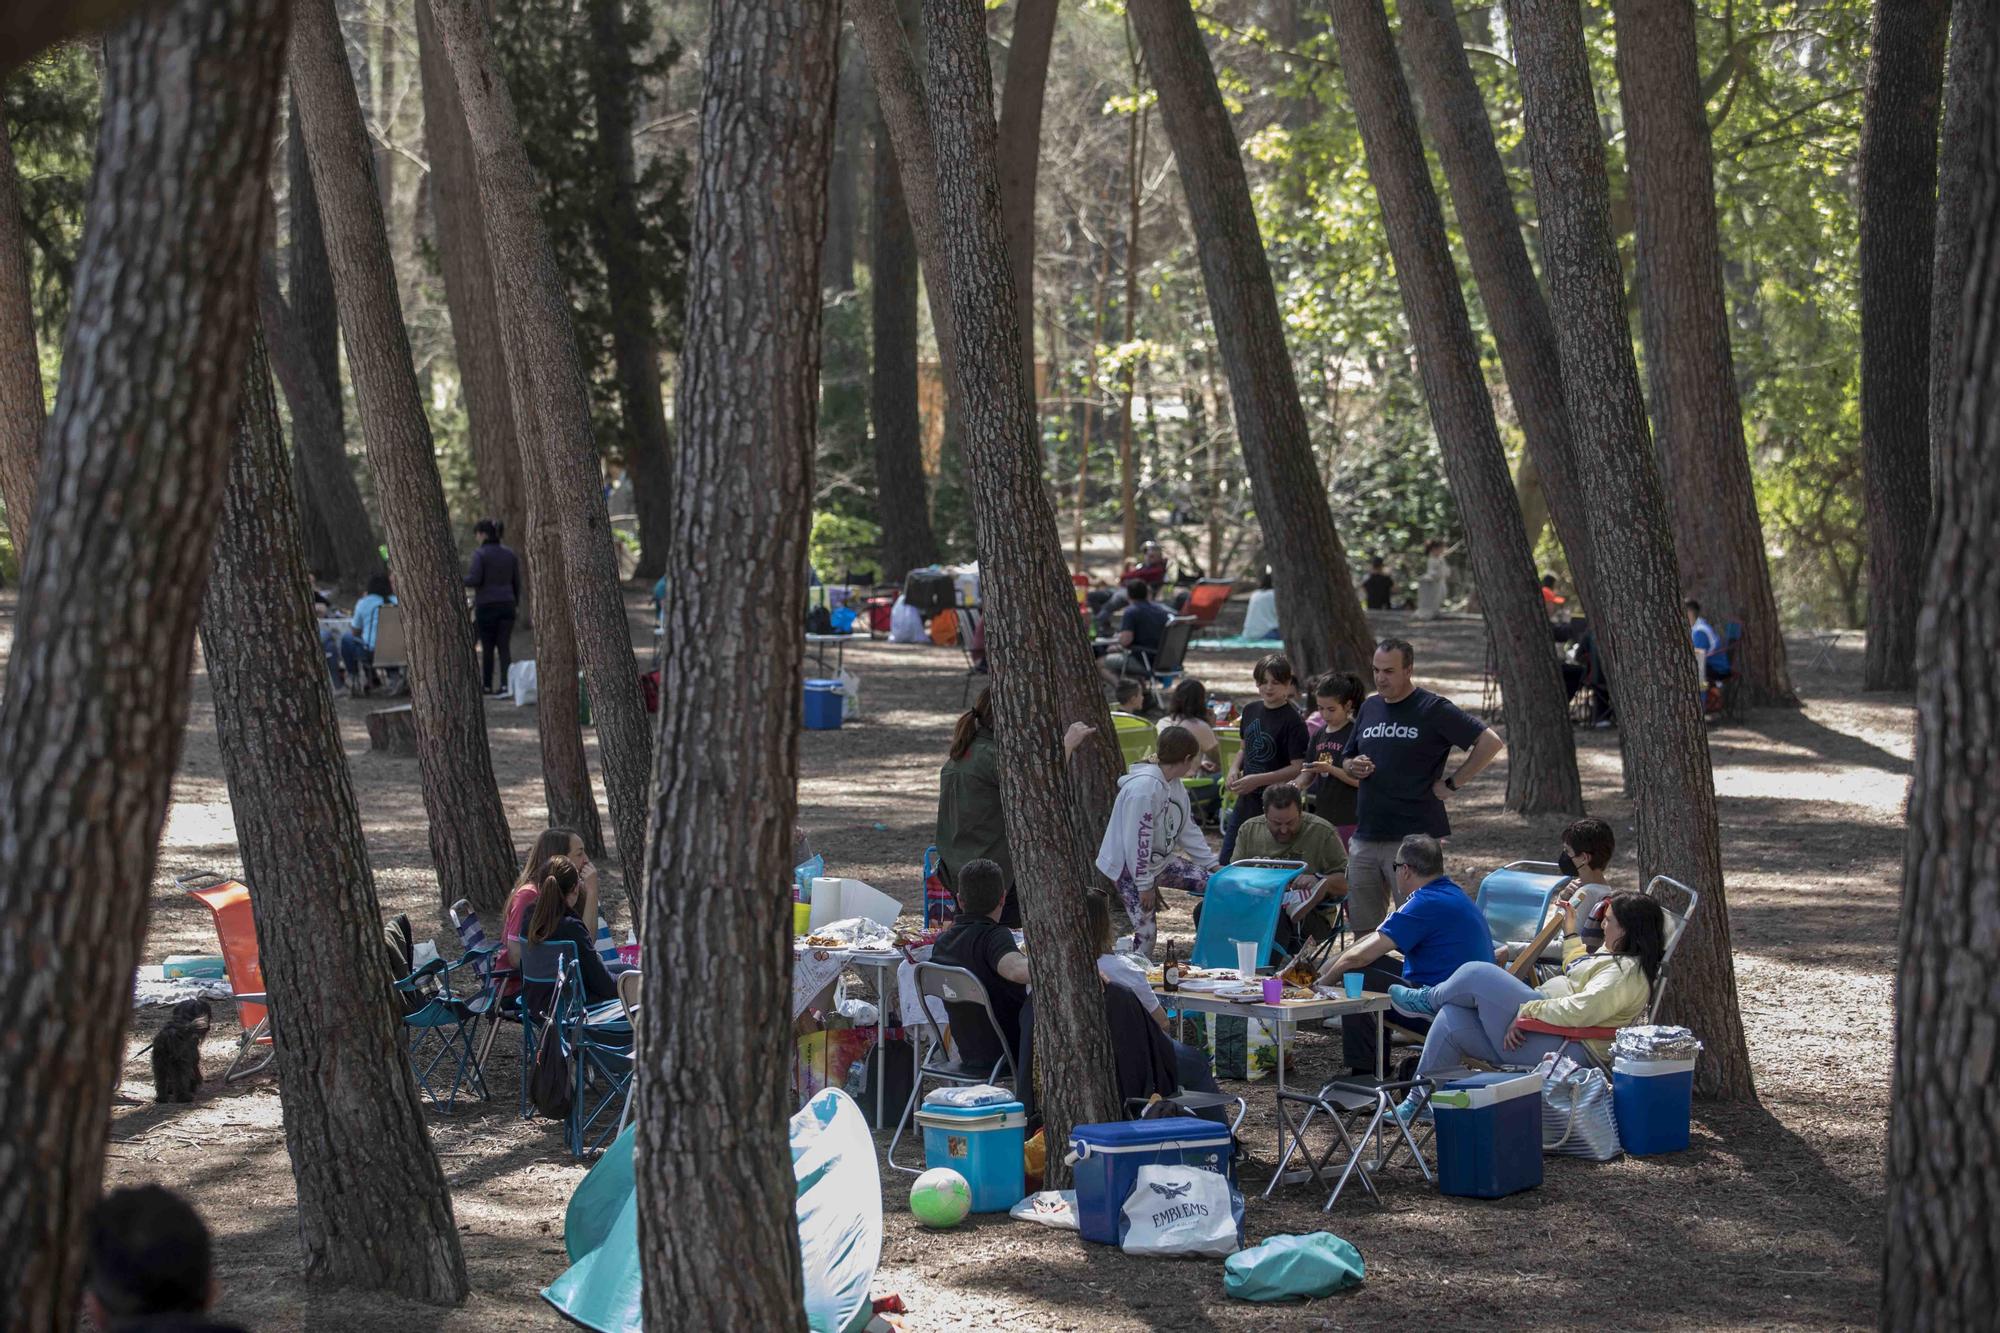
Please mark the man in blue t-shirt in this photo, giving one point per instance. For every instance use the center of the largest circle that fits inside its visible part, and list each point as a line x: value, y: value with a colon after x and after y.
x: 1708, y: 644
x: 1438, y: 930
x: 1140, y: 633
x: 1397, y: 749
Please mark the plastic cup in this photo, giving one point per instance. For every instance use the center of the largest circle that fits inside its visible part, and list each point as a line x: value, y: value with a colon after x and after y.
x: 801, y: 918
x: 1246, y: 959
x: 1352, y: 980
x: 1274, y: 990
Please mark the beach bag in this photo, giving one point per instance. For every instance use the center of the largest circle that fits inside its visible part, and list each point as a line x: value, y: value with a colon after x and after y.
x: 944, y: 629
x: 1288, y: 1268
x: 1577, y: 1117
x: 1176, y: 1209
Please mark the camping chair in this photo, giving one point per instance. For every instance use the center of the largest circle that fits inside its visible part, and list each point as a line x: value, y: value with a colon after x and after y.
x: 441, y: 1026
x: 1574, y: 1039
x: 629, y: 986
x: 1361, y: 1113
x: 936, y: 1058
x: 391, y: 651
x: 596, y: 1039
x: 1242, y: 902
x: 971, y: 620
x: 1228, y: 744
x: 1184, y: 1102
x: 236, y: 927
x: 1169, y: 662
x: 1205, y: 602
x: 1515, y: 900
x: 1136, y: 737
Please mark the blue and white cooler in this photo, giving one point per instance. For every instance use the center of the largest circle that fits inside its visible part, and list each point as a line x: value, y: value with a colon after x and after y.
x: 983, y: 1144
x: 1654, y: 1101
x: 824, y: 705
x: 1489, y: 1134
x: 1107, y: 1158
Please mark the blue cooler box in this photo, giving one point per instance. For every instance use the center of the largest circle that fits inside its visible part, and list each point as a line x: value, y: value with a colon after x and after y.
x: 1653, y: 1100
x: 1489, y: 1134
x: 1108, y: 1158
x: 824, y: 705
x: 983, y: 1144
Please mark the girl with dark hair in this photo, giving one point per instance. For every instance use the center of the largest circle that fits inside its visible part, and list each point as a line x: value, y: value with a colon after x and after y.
x: 1187, y: 708
x: 1330, y: 789
x: 357, y: 645
x: 558, y: 894
x: 550, y: 845
x: 495, y: 580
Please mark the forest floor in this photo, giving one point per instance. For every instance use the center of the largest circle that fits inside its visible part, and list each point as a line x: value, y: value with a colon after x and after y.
x: 1773, y: 1218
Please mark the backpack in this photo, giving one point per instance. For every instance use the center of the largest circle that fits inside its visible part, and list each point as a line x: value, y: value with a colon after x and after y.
x: 551, y: 1087
x: 819, y: 620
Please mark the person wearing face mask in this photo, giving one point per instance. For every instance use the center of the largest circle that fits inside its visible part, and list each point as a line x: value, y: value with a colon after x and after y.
x: 1587, y: 845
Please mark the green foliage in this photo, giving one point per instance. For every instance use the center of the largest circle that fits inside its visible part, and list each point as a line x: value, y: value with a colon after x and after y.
x: 843, y: 549
x: 844, y: 458
x: 51, y: 111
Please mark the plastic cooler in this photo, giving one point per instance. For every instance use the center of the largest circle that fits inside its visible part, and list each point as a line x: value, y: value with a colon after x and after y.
x: 823, y: 705
x: 1108, y: 1158
x: 1653, y: 1100
x: 1489, y: 1134
x: 983, y: 1144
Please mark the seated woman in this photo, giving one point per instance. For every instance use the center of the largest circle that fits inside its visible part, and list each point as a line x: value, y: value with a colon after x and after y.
x: 1187, y: 708
x: 550, y: 844
x: 1128, y: 970
x: 555, y: 918
x: 1475, y: 1013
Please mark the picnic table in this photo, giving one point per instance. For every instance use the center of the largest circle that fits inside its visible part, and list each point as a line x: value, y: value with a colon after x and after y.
x: 817, y: 645
x: 814, y: 969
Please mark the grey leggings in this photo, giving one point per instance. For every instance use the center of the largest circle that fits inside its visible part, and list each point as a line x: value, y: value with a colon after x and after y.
x: 1475, y: 1007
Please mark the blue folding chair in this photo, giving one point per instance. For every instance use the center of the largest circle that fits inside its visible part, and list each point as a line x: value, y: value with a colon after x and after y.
x: 1242, y: 902
x: 596, y: 1039
x: 440, y: 1026
x: 1515, y: 899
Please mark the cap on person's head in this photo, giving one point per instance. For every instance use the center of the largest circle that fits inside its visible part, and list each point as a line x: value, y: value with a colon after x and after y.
x: 149, y: 1254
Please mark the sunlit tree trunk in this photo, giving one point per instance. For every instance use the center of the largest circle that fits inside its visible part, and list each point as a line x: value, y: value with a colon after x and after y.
x: 1968, y: 85
x: 21, y: 411
x: 1023, y: 89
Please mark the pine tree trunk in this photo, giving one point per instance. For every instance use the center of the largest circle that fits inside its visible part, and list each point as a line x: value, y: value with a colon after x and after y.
x: 634, y: 343
x: 468, y: 828
x: 1718, y: 537
x: 21, y: 411
x: 1967, y: 86
x: 1541, y: 754
x: 1939, y: 1263
x: 1639, y: 617
x: 1899, y: 128
x: 560, y: 454
x: 714, y: 1171
x: 1023, y: 90
x: 470, y: 294
x: 565, y: 764
x: 374, y: 1211
x: 131, y: 487
x: 28, y: 26
x: 1037, y: 651
x: 1318, y: 608
x: 843, y: 182
x: 907, y: 540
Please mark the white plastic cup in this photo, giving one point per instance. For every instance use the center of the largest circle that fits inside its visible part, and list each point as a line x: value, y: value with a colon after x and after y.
x: 1246, y: 958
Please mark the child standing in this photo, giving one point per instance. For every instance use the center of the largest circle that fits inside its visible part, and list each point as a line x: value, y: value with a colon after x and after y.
x: 1330, y: 794
x: 1274, y: 743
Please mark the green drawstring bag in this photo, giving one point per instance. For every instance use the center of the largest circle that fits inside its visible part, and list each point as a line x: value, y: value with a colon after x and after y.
x: 1288, y: 1268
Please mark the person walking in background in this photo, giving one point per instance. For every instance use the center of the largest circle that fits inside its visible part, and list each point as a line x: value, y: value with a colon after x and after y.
x: 495, y: 580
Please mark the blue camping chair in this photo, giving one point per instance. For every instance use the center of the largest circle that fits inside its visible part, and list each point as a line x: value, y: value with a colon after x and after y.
x: 597, y: 1039
x: 1242, y: 903
x: 440, y: 1028
x: 1515, y: 899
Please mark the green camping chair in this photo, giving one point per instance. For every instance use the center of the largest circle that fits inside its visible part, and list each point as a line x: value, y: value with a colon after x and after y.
x: 1136, y: 737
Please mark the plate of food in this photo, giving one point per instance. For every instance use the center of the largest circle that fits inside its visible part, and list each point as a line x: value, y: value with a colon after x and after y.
x: 1240, y: 992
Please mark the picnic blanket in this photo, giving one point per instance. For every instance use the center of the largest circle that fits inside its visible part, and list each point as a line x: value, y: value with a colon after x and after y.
x: 1268, y: 645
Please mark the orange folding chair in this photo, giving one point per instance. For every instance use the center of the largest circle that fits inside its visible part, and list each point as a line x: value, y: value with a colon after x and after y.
x: 236, y: 927
x: 1206, y: 599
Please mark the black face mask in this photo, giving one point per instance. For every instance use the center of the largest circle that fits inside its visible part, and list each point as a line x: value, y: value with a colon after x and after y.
x: 1567, y: 864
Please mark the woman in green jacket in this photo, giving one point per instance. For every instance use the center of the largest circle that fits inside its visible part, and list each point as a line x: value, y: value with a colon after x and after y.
x: 1475, y: 1013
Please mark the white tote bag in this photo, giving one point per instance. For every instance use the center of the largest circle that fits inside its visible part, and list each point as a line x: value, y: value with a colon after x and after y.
x: 1181, y: 1210
x: 1577, y: 1115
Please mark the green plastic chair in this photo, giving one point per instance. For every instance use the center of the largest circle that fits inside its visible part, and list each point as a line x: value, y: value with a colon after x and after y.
x: 1228, y: 742
x: 1136, y: 737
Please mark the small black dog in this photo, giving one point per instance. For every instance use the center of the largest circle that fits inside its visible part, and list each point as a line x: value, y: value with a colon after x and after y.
x: 177, y: 1052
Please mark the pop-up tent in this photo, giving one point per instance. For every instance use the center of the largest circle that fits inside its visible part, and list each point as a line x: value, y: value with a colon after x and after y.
x: 840, y: 1226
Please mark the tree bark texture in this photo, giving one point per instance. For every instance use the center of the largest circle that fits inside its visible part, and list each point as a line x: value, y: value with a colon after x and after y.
x: 468, y: 828
x: 1037, y: 651
x: 321, y: 556
x: 1718, y: 536
x: 713, y: 1167
x: 1899, y: 128
x: 1941, y: 1261
x: 125, y: 519
x: 29, y: 26
x: 549, y: 393
x: 469, y: 292
x: 1516, y: 309
x: 635, y: 345
x: 374, y: 1211
x: 843, y: 182
x: 1968, y: 84
x: 1639, y: 620
x: 907, y: 540
x: 21, y: 412
x: 1023, y: 89
x: 1318, y: 608
x: 1541, y: 753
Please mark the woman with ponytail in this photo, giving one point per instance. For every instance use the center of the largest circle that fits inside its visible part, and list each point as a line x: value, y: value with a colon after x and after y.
x: 555, y: 918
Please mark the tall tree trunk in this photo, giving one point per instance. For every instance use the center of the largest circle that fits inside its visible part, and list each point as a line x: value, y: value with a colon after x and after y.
x: 561, y: 454
x: 21, y: 410
x: 1135, y: 166
x: 1037, y: 651
x: 1516, y: 309
x: 714, y: 1173
x: 1541, y: 754
x: 1023, y: 89
x: 319, y: 439
x: 635, y: 345
x: 1899, y: 128
x: 374, y: 1211
x: 28, y: 26
x: 468, y: 828
x: 1089, y: 396
x: 907, y: 540
x: 843, y: 182
x: 1718, y: 537
x: 131, y: 486
x: 1938, y: 1266
x: 1639, y: 617
x: 470, y: 294
x: 1967, y: 88
x: 1318, y: 609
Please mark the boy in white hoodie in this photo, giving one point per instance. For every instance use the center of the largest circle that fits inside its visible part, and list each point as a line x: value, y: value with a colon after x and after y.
x: 1152, y: 838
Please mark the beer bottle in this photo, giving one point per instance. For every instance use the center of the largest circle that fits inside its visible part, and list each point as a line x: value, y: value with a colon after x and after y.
x: 1170, y: 974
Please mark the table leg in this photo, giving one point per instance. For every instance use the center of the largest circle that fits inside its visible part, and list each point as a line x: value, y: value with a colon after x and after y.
x: 1381, y: 1047
x: 882, y: 979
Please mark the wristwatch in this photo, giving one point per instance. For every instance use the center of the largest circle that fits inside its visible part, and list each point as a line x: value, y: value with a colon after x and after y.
x: 1451, y: 784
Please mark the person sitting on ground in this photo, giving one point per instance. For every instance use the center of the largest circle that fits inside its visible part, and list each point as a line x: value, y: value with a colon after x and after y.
x: 1707, y: 645
x: 977, y: 942
x: 1196, y: 1071
x: 149, y: 1265
x: 558, y: 895
x: 1274, y: 743
x: 1378, y: 587
x: 357, y: 645
x: 1140, y: 633
x: 1152, y: 839
x: 1587, y: 845
x: 1285, y: 832
x: 1438, y: 929
x: 1329, y: 787
x: 1476, y: 1013
x: 1260, y: 618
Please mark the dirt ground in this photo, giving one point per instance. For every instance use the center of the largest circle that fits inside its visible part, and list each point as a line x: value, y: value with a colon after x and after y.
x: 1773, y: 1218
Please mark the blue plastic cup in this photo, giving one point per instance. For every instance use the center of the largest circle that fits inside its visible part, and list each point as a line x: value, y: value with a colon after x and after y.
x: 1353, y: 980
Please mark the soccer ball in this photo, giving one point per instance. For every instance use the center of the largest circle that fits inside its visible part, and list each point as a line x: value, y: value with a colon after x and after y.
x: 940, y: 1198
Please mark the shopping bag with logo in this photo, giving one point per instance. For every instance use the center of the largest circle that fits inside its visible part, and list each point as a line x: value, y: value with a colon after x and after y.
x: 1577, y: 1115
x: 1181, y: 1210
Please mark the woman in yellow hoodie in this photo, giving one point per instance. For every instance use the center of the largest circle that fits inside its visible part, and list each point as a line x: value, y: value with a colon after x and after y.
x: 1475, y: 1013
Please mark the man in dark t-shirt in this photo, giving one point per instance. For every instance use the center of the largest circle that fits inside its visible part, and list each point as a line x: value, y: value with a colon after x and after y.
x: 1377, y: 586
x: 1140, y: 633
x: 982, y: 946
x: 1401, y: 739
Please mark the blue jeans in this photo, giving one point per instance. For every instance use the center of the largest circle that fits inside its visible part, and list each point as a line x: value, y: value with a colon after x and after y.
x: 329, y: 646
x: 1237, y: 816
x: 1475, y: 1007
x: 354, y: 653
